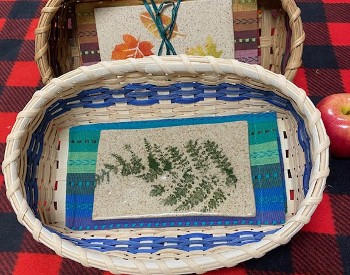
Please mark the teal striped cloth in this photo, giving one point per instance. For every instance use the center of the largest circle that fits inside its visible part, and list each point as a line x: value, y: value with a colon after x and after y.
x: 266, y: 168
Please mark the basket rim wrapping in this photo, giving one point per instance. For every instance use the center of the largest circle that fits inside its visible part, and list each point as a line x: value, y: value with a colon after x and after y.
x: 169, y: 66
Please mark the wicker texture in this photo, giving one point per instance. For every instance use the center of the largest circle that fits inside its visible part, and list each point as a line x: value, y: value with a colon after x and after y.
x: 159, y: 71
x: 57, y: 51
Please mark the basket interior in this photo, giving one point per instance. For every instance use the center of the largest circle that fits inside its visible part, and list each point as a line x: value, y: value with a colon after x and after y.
x: 270, y: 27
x: 43, y: 166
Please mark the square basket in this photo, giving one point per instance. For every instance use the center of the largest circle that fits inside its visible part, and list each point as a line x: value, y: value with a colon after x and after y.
x: 279, y: 35
x: 163, y: 88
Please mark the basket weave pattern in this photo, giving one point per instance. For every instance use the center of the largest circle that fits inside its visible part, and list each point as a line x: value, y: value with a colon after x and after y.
x: 161, y: 72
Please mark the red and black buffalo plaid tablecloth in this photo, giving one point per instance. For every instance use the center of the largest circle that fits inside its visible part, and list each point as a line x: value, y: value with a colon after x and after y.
x: 322, y: 247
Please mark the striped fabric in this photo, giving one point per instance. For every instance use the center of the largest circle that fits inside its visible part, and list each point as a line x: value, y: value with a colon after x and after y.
x: 246, y: 30
x: 87, y: 33
x: 266, y: 168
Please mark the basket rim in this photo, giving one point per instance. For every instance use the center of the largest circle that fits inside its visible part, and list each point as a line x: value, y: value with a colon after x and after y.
x: 42, y: 34
x: 169, y: 66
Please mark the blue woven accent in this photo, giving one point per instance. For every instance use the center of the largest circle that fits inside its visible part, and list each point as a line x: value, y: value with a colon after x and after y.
x: 185, y: 242
x: 225, y: 91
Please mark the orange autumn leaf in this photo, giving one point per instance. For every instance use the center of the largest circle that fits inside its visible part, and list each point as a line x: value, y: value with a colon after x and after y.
x: 132, y: 48
x: 148, y: 22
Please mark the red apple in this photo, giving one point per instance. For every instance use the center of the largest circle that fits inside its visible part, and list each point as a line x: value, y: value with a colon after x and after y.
x: 335, y: 112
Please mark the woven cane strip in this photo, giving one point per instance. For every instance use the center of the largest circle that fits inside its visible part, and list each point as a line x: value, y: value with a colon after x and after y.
x: 225, y: 256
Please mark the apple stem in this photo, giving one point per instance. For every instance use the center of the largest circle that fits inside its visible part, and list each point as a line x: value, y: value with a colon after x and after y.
x: 346, y: 110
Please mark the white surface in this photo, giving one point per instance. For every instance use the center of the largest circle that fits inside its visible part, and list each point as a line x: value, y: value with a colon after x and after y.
x: 132, y: 194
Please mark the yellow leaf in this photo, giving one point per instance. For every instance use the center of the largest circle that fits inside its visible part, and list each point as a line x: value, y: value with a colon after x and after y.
x: 148, y: 22
x: 208, y: 49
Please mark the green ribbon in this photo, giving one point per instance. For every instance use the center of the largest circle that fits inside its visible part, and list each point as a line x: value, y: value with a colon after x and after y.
x: 165, y: 32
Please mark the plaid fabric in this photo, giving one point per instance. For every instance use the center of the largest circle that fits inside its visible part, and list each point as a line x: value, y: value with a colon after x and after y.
x: 322, y: 246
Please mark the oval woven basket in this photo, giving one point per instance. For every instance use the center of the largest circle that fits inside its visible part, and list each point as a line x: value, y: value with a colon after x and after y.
x: 160, y: 88
x: 57, y: 49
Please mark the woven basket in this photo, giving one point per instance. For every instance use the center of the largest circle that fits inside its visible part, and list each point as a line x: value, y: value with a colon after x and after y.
x: 280, y: 44
x: 33, y: 166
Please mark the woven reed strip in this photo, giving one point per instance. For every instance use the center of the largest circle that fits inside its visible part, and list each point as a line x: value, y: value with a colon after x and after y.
x: 266, y: 39
x: 296, y: 167
x: 46, y: 175
x: 276, y: 43
x: 127, y: 233
x: 169, y: 67
x: 279, y: 44
x: 297, y: 39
